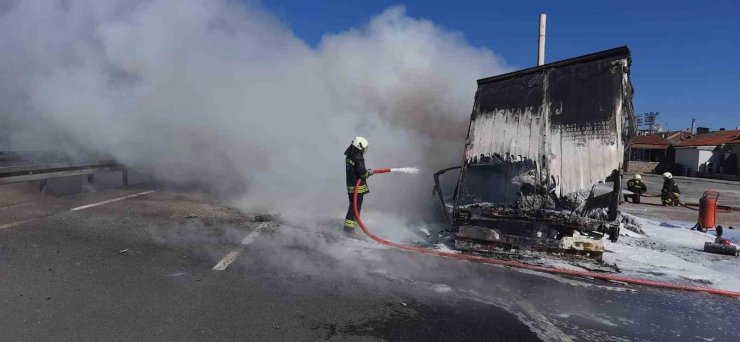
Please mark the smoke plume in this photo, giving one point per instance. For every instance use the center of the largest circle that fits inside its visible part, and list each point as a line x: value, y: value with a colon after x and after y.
x: 219, y: 95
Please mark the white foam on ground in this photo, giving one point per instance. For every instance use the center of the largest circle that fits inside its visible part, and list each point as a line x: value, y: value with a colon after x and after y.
x: 441, y: 288
x: 443, y: 248
x: 732, y: 235
x: 670, y: 251
x: 594, y: 318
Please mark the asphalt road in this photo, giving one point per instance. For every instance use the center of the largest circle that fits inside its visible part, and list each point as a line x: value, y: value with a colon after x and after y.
x: 141, y: 268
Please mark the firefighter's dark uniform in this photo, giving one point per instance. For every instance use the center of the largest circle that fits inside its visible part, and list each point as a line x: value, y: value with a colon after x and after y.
x: 355, y: 169
x: 669, y: 192
x: 637, y: 187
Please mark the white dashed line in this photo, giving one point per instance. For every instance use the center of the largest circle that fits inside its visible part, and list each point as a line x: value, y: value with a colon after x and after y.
x: 227, y: 260
x: 13, y: 224
x: 251, y: 236
x: 18, y: 223
x: 111, y: 200
x: 233, y: 255
x: 15, y: 205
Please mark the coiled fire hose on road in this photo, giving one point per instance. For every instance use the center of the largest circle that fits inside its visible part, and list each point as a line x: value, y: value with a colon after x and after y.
x: 516, y: 264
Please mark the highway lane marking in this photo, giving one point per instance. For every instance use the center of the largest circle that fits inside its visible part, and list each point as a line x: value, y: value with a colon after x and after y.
x: 16, y: 205
x: 227, y: 260
x: 13, y: 224
x: 111, y: 200
x: 18, y: 223
x: 233, y: 255
x: 35, y: 202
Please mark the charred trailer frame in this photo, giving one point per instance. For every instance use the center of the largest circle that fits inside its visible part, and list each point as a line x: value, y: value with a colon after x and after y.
x: 542, y: 158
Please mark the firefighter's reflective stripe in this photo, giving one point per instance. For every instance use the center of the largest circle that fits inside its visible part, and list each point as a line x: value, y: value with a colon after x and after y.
x: 668, y: 199
x: 366, y: 175
x: 349, y: 161
x: 360, y: 190
x: 350, y: 224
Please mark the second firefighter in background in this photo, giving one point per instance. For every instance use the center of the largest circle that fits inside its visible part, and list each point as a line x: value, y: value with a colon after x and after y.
x: 670, y: 193
x: 354, y: 163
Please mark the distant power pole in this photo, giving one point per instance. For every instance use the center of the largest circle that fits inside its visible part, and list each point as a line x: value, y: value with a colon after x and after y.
x: 647, y: 122
x: 541, y: 40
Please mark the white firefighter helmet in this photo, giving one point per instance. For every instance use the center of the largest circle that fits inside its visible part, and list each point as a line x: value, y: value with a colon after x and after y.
x: 667, y: 175
x: 361, y: 144
x: 638, y: 177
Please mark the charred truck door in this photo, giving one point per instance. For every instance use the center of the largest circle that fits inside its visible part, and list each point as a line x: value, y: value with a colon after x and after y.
x: 542, y: 157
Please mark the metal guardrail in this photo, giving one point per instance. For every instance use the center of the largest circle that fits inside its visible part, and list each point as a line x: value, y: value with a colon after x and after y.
x: 44, y: 172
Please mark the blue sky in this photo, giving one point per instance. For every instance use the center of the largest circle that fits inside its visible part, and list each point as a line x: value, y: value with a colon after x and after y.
x: 686, y: 54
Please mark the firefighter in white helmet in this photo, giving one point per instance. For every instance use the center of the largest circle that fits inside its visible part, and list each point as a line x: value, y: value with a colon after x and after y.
x: 670, y: 193
x: 637, y: 187
x: 355, y: 169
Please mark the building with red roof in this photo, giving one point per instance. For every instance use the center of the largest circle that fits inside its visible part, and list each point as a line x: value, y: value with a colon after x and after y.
x: 713, y: 154
x: 717, y: 138
x: 710, y: 153
x: 649, y: 148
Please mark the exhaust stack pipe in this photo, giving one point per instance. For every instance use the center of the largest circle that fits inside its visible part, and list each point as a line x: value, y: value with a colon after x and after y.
x: 541, y: 40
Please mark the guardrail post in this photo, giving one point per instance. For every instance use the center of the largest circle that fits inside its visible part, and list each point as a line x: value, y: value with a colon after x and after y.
x: 91, y: 179
x: 42, y: 185
x: 124, y: 171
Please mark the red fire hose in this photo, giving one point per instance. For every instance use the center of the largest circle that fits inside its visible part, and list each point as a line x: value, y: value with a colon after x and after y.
x: 695, y: 206
x: 516, y: 264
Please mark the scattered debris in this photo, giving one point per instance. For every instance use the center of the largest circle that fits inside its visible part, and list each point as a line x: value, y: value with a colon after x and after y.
x: 672, y: 252
x: 124, y: 251
x: 631, y: 223
x: 265, y: 218
x: 720, y: 248
x: 720, y: 245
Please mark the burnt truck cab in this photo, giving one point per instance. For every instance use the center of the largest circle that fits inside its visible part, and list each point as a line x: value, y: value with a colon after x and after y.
x: 540, y: 169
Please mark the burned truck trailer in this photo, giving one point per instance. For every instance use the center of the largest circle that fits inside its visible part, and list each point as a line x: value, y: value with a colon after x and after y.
x: 540, y: 169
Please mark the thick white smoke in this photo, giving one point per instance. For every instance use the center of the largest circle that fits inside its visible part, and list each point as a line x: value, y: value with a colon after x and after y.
x: 218, y: 94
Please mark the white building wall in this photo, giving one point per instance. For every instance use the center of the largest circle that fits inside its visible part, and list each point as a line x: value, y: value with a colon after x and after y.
x: 704, y: 158
x: 695, y: 158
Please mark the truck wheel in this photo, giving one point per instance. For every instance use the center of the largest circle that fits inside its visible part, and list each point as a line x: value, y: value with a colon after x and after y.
x: 614, y: 234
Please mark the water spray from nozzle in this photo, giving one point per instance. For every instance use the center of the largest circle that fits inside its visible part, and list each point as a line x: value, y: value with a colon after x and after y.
x: 411, y: 170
